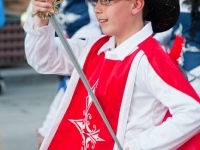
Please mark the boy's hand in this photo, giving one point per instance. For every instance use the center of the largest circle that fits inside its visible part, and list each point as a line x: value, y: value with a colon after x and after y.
x: 41, y: 6
x: 40, y: 141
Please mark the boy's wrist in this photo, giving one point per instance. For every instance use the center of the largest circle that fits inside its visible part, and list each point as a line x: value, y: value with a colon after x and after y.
x: 40, y: 22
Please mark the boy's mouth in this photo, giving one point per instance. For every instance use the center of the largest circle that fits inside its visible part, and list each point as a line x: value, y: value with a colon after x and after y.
x: 103, y: 20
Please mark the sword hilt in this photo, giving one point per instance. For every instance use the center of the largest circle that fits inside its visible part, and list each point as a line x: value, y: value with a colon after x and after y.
x: 54, y: 10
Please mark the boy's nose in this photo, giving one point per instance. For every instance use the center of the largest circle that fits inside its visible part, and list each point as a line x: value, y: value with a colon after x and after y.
x: 97, y: 8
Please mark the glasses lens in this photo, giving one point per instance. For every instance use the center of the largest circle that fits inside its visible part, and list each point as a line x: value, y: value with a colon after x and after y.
x: 104, y: 2
x: 94, y: 2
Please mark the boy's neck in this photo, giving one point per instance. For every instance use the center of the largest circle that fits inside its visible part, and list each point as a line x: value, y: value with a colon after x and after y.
x: 128, y: 33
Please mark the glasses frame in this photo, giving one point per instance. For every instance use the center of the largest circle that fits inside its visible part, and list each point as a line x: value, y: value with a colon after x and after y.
x: 94, y: 3
x: 103, y: 2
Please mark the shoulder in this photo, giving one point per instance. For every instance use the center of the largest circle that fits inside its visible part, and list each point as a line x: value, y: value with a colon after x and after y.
x: 154, y: 50
x: 159, y: 61
x: 157, y: 58
x: 156, y: 64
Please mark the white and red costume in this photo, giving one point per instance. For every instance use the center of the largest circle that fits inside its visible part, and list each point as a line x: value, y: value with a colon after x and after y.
x: 134, y: 84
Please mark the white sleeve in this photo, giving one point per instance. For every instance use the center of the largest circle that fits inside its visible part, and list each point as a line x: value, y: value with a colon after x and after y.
x: 164, y: 37
x: 185, y: 120
x: 45, y: 52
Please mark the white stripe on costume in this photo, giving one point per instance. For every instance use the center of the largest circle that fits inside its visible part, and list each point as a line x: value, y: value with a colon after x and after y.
x: 126, y: 101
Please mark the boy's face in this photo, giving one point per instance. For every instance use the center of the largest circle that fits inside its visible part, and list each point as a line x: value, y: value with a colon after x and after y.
x: 117, y: 17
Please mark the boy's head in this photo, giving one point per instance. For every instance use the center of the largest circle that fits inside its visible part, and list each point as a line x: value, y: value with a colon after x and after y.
x: 162, y: 13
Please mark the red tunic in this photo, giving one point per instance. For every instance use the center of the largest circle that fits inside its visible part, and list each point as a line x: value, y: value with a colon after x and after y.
x: 81, y: 127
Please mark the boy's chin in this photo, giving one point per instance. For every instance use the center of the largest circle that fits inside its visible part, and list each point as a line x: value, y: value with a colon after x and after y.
x: 107, y: 33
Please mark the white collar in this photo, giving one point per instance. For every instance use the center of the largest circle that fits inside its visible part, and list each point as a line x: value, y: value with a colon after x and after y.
x: 128, y: 46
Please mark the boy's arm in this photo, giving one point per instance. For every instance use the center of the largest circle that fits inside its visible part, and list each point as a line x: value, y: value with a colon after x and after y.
x: 168, y: 85
x: 40, y: 22
x: 45, y: 52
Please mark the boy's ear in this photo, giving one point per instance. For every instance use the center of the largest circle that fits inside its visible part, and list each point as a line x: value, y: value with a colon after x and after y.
x: 137, y: 6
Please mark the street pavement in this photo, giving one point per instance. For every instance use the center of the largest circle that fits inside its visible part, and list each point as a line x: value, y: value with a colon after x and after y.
x: 23, y: 107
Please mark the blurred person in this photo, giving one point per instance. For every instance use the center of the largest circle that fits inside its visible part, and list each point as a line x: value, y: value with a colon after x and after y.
x: 2, y: 14
x: 2, y: 84
x: 43, y: 130
x: 77, y: 19
x: 2, y: 23
x: 187, y: 26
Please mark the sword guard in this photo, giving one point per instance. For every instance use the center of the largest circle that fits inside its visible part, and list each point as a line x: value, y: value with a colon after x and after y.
x: 54, y: 10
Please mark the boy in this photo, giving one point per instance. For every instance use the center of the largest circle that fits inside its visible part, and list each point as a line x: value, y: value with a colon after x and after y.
x: 129, y: 73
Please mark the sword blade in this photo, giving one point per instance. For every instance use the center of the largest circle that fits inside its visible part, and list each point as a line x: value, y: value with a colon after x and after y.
x: 67, y: 47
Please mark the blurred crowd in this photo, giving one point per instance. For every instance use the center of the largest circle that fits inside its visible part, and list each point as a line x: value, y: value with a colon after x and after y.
x: 188, y: 27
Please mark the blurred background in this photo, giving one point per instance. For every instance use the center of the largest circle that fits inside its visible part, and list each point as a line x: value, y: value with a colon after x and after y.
x: 25, y: 96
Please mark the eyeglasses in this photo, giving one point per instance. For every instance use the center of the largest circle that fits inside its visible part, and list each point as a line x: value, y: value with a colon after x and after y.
x: 103, y: 2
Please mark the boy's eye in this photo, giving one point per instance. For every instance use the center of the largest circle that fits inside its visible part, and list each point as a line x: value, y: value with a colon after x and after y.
x: 103, y: 2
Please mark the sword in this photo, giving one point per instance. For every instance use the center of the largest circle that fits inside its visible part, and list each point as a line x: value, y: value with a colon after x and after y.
x: 67, y: 47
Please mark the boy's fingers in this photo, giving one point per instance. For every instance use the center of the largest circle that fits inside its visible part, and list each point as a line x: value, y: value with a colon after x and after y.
x: 41, y: 6
x: 48, y: 1
x: 43, y: 0
x: 41, y: 9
